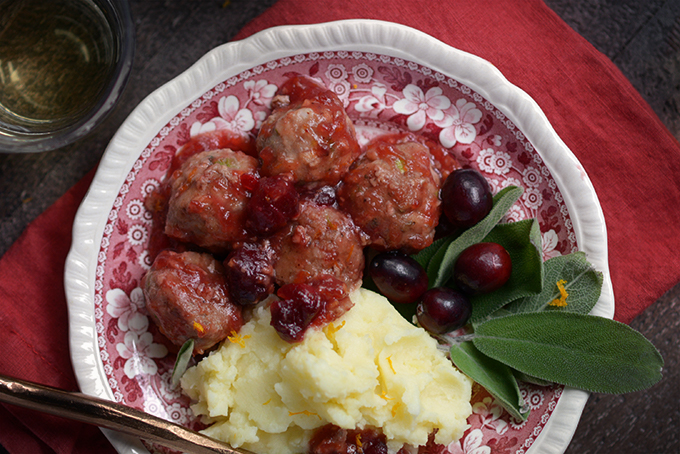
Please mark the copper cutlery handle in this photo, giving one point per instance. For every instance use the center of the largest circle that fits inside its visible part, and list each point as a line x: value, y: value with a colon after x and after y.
x: 110, y: 415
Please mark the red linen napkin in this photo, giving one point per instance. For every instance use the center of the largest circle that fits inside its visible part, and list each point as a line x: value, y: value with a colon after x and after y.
x: 629, y: 155
x: 34, y: 332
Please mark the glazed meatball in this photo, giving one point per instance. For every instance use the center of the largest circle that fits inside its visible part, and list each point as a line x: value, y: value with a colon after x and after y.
x: 213, y: 140
x: 308, y: 135
x: 208, y: 197
x: 186, y: 296
x: 322, y: 240
x: 444, y: 160
x: 392, y: 193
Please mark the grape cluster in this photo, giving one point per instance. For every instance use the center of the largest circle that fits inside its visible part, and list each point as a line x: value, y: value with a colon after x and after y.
x: 481, y: 268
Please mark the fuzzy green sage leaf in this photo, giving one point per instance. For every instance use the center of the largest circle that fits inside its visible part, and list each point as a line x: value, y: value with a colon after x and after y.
x: 495, y: 377
x: 182, y: 361
x: 441, y: 263
x: 520, y: 376
x: 581, y: 282
x: 425, y: 255
x: 582, y: 351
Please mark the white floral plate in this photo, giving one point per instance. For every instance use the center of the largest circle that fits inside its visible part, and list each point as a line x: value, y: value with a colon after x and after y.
x: 390, y: 78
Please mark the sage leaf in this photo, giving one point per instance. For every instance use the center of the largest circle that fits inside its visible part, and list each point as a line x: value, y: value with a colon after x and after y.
x: 425, y: 255
x: 520, y: 376
x: 583, y: 285
x: 582, y: 351
x: 182, y: 361
x: 495, y: 377
x: 522, y: 240
x: 441, y: 264
x: 434, y: 265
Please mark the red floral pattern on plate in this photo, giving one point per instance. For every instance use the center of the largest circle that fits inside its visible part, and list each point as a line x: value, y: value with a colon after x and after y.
x: 381, y: 93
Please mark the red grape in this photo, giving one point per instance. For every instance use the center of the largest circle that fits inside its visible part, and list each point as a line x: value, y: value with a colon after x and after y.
x: 442, y: 310
x: 398, y: 276
x: 482, y: 268
x: 466, y: 198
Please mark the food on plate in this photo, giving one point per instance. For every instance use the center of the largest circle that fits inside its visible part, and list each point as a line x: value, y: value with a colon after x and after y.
x: 442, y: 310
x: 279, y: 237
x: 249, y: 271
x: 482, y: 268
x: 187, y: 297
x: 322, y: 240
x: 392, y: 193
x: 466, y: 197
x: 208, y: 197
x: 307, y: 135
x: 273, y: 203
x: 368, y: 369
x: 314, y: 303
x: 398, y: 276
x: 218, y: 139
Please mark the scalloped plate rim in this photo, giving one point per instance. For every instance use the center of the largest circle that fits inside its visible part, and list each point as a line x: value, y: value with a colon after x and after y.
x: 230, y: 59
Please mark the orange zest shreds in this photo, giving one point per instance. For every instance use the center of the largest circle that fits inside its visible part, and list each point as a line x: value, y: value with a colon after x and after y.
x: 389, y: 360
x: 562, y: 300
x: 384, y: 395
x: 395, y: 408
x: 236, y: 338
x: 199, y: 328
x: 267, y: 403
x: 304, y: 412
x: 358, y: 441
x: 331, y: 329
x: 351, y: 249
x: 191, y: 175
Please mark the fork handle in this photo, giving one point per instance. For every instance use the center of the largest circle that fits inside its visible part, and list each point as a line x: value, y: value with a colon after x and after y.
x: 110, y: 415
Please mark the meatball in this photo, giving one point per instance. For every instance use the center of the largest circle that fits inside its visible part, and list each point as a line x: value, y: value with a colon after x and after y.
x: 208, y: 197
x: 444, y: 161
x: 322, y: 240
x: 213, y: 140
x: 392, y: 193
x: 309, y: 135
x: 186, y: 295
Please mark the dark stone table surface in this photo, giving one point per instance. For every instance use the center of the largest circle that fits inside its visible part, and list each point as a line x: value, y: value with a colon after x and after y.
x: 641, y: 37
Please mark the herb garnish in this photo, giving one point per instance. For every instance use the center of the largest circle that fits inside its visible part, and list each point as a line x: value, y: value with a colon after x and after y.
x: 182, y: 362
x: 537, y: 328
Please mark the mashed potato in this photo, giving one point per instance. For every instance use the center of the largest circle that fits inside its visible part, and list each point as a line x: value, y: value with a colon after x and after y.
x: 369, y: 368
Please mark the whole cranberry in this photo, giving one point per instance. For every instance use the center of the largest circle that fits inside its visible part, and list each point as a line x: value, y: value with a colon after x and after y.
x: 482, y: 268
